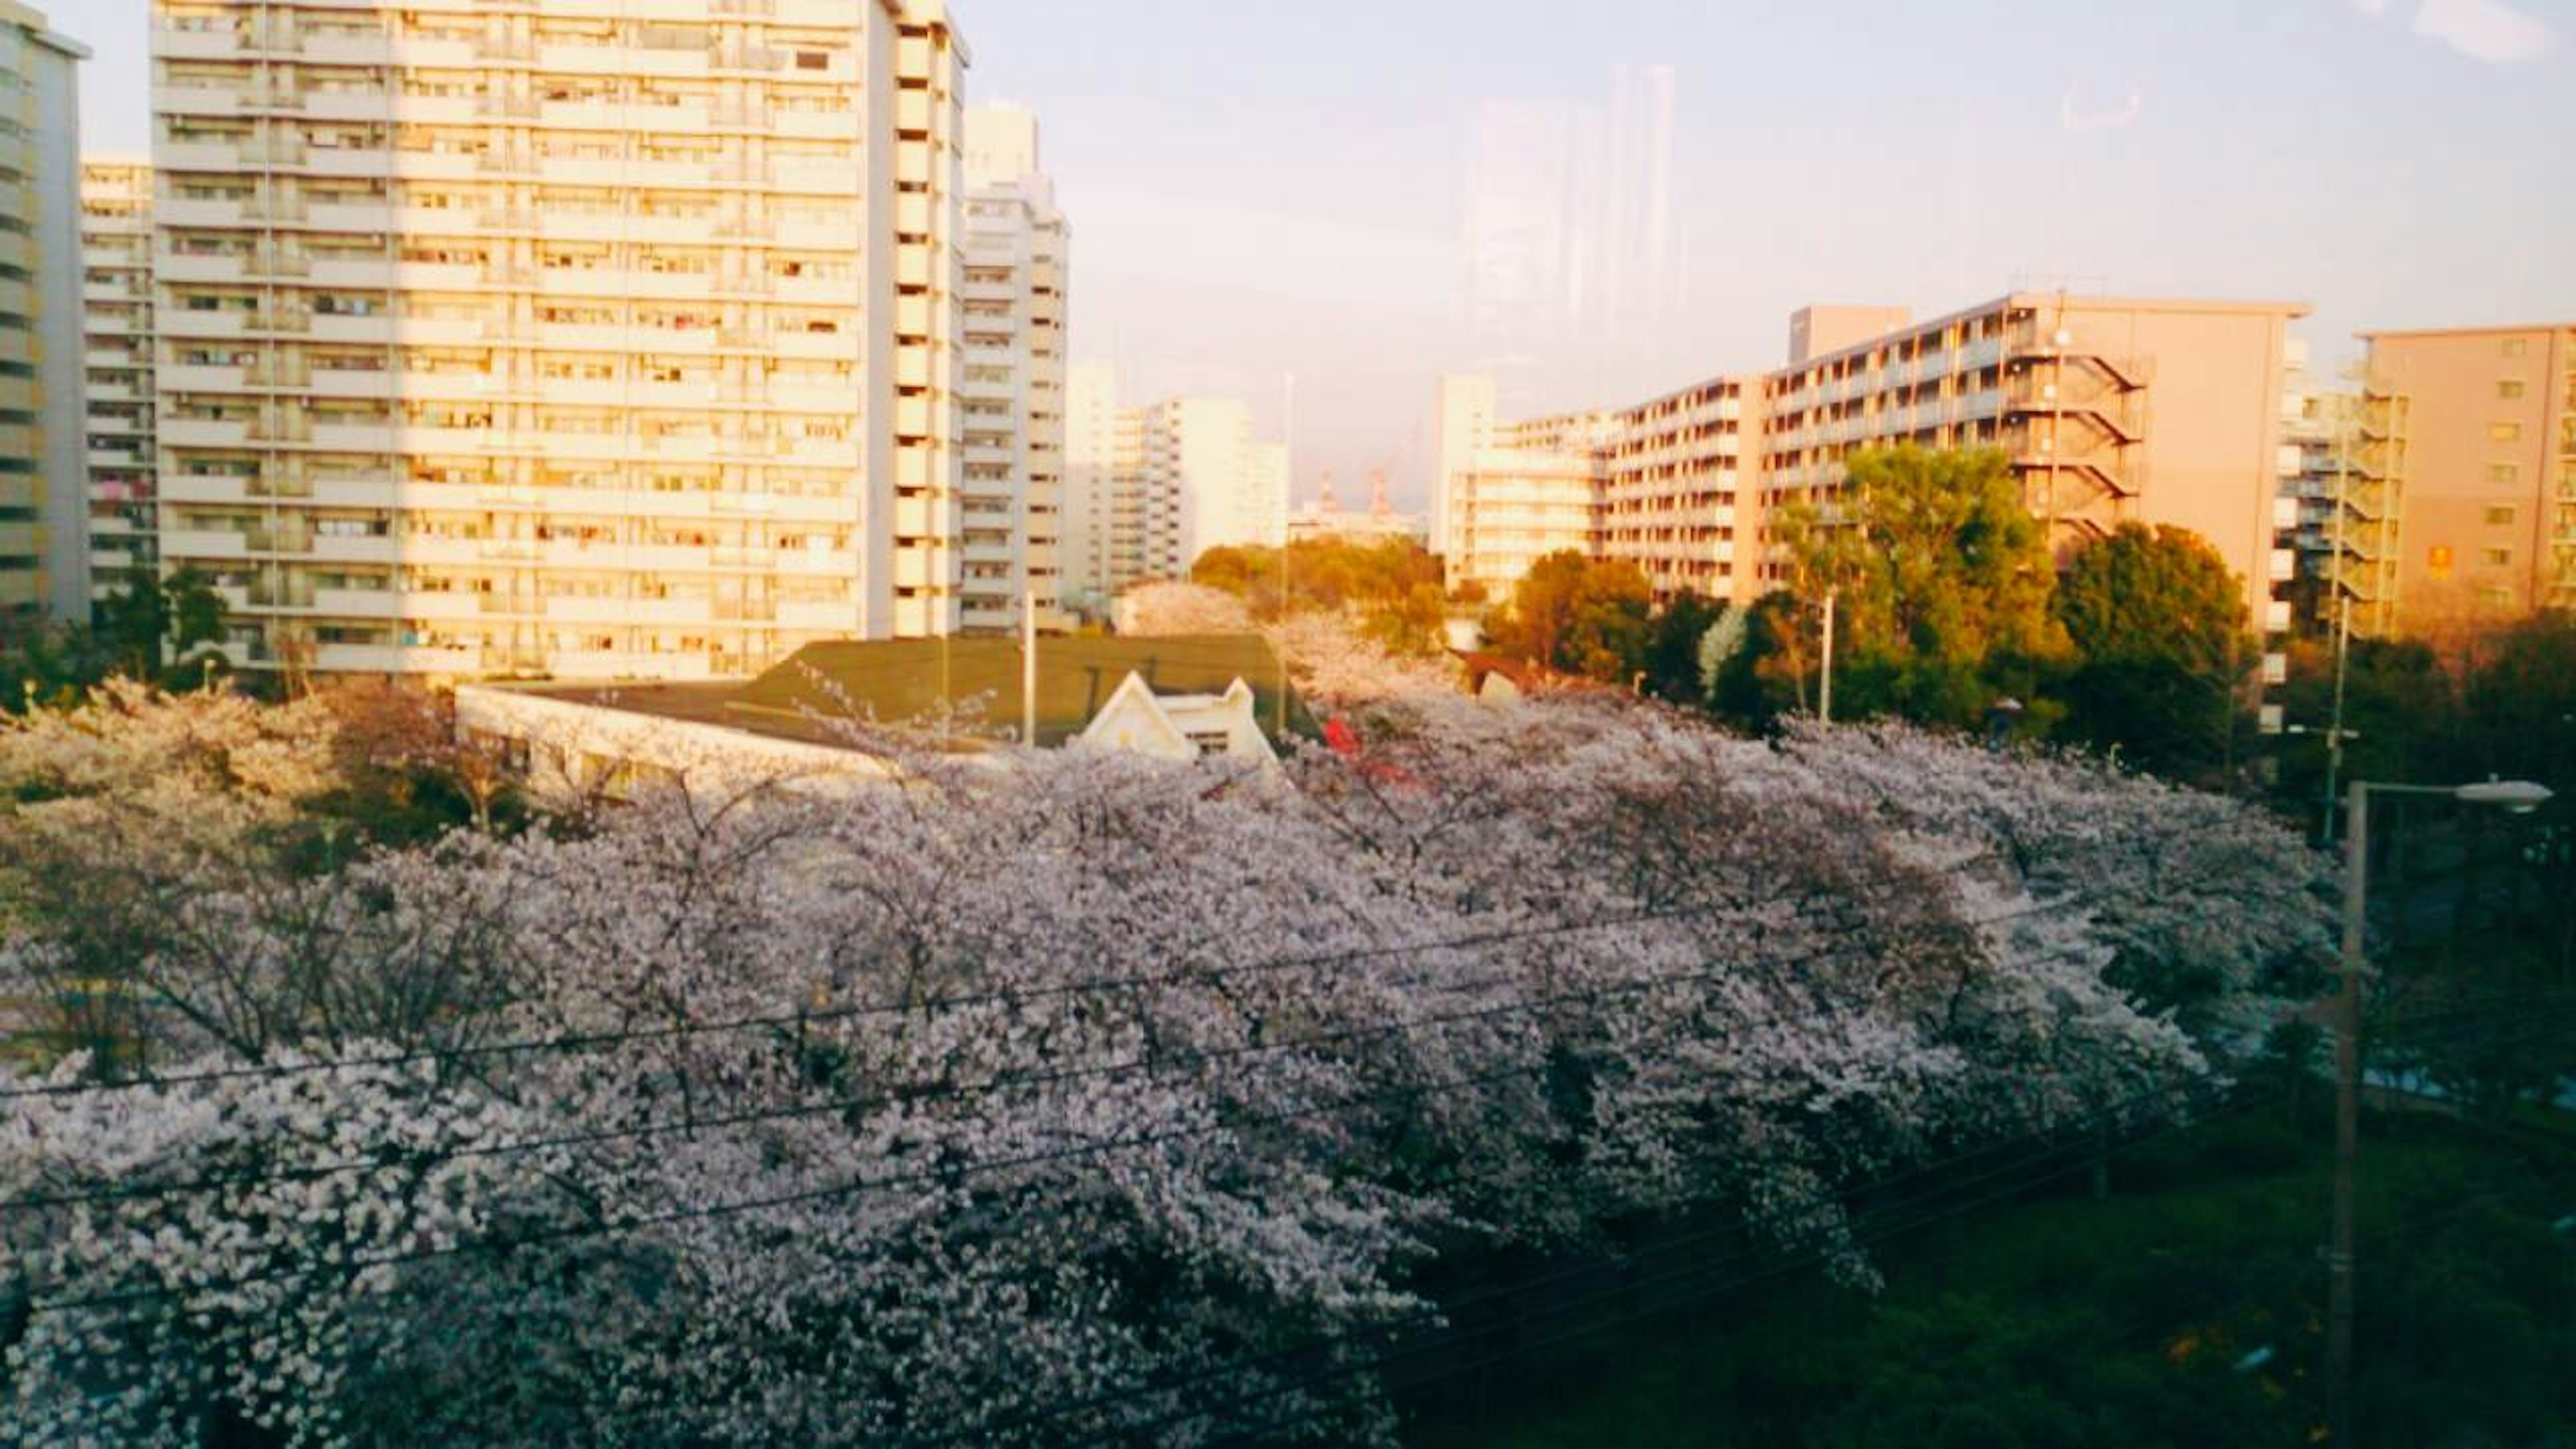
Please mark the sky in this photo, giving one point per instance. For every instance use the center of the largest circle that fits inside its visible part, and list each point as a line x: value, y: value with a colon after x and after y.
x: 1324, y: 205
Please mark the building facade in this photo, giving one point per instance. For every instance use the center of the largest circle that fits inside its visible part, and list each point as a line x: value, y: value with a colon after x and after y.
x: 116, y: 257
x: 2110, y: 410
x: 2319, y: 421
x: 1207, y: 482
x: 1524, y: 491
x: 2461, y: 509
x: 1103, y: 548
x: 599, y: 341
x: 1012, y: 399
x: 44, y: 507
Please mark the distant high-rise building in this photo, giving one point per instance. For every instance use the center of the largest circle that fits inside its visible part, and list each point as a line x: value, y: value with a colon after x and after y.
x: 1098, y: 493
x: 116, y: 249
x: 1466, y: 413
x: 1012, y: 398
x: 1208, y: 483
x: 44, y: 506
x: 2461, y: 509
x: 592, y: 340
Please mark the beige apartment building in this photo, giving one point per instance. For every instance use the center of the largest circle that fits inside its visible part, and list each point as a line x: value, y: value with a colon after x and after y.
x: 1012, y: 401
x: 44, y: 509
x: 116, y: 293
x: 1528, y: 490
x: 586, y: 338
x: 2111, y: 410
x: 2460, y: 505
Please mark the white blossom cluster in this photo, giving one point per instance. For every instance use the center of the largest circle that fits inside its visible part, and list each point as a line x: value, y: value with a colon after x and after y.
x: 1082, y: 1097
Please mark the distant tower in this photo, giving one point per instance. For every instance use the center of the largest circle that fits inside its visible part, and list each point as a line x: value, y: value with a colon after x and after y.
x: 1378, y: 506
x: 1328, y: 505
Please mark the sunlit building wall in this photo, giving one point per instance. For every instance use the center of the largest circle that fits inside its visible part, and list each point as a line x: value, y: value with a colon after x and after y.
x: 1012, y: 399
x: 116, y: 260
x: 1529, y: 490
x: 505, y: 337
x: 44, y: 505
x: 1464, y: 416
x: 2110, y: 411
x: 1207, y: 483
x: 2461, y: 513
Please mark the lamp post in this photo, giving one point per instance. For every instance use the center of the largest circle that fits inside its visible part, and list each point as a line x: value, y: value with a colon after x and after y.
x: 2518, y: 797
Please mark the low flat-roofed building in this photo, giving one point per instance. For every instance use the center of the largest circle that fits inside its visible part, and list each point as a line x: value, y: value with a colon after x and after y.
x: 844, y: 712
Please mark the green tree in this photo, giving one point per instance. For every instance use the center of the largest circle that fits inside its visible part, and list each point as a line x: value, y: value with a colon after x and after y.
x: 1578, y: 615
x: 154, y: 630
x: 1672, y: 662
x: 2163, y: 648
x: 1944, y: 581
x: 1392, y: 588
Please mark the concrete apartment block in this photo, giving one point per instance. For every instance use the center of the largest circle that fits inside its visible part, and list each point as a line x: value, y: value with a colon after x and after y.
x: 501, y: 337
x: 116, y: 256
x: 1012, y: 399
x: 2111, y: 409
x: 2460, y: 512
x: 44, y: 513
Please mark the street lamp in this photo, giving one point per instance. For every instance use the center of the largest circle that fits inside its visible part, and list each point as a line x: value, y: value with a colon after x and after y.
x: 2515, y: 797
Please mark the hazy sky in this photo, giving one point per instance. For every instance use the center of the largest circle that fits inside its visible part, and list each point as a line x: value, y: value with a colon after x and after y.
x: 1366, y: 195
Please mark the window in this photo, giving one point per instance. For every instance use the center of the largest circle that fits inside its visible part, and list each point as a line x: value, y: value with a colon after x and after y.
x: 2517, y: 346
x: 2504, y: 475
x: 2509, y: 390
x: 2504, y: 433
x: 2496, y: 598
x: 2439, y: 561
x: 2500, y: 518
x: 2496, y: 558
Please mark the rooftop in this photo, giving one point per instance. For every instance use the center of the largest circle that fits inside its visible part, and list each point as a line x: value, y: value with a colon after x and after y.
x: 973, y: 685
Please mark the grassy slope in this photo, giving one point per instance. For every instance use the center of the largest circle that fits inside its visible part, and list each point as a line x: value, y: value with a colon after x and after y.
x: 2067, y: 1321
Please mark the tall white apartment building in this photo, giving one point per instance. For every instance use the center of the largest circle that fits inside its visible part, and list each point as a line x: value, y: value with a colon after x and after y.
x: 1094, y: 567
x: 564, y: 337
x: 44, y: 508
x: 1012, y: 400
x: 116, y: 290
x: 1208, y: 483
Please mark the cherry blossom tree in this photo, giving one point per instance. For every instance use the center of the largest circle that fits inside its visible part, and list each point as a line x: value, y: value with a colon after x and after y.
x: 1081, y: 1094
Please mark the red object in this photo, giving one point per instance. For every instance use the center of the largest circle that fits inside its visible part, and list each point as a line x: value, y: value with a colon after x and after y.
x: 1340, y: 738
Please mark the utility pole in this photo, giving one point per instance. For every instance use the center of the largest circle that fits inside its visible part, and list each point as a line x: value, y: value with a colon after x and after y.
x: 2339, y: 1252
x: 1029, y: 665
x: 1825, y: 689
x: 2335, y: 735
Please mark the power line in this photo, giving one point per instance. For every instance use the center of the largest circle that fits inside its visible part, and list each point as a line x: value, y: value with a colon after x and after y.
x: 1721, y: 1285
x: 596, y: 1041
x: 937, y: 1092
x: 2077, y: 1129
x: 854, y: 1187
x: 1706, y: 1280
x: 1436, y: 1314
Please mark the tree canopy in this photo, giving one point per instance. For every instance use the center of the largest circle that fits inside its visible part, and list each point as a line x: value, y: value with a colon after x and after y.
x: 1393, y: 588
x: 1943, y: 578
x: 2162, y: 647
x: 153, y: 629
x: 1578, y: 615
